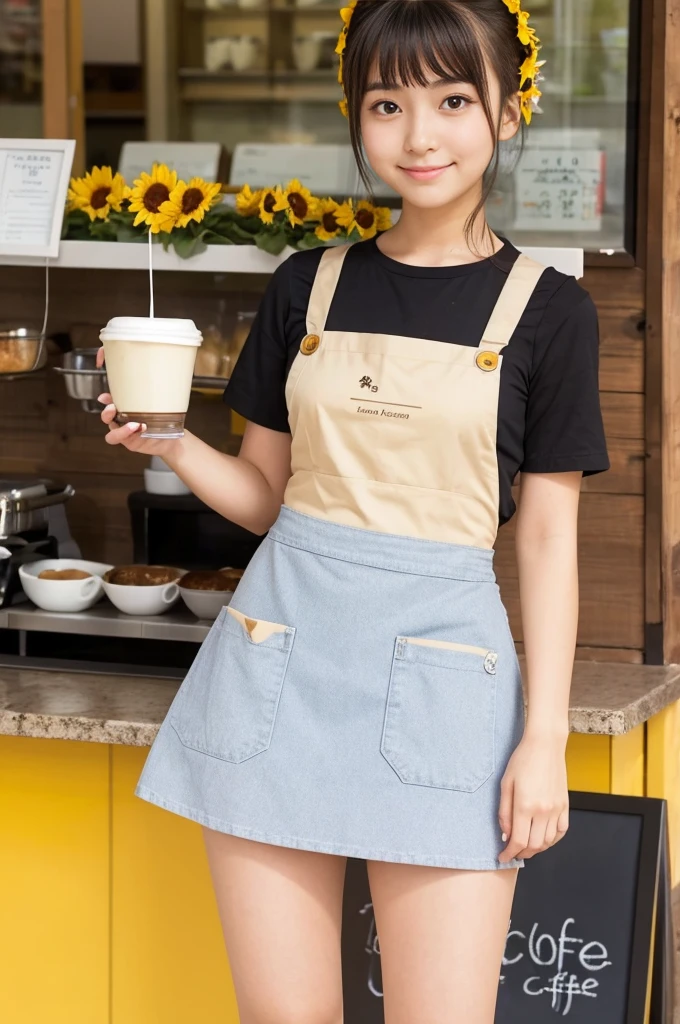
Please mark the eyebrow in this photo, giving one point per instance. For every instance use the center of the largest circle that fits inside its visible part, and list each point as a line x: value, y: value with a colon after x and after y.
x: 385, y: 87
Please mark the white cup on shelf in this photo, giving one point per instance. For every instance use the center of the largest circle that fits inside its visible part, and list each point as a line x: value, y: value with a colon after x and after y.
x: 306, y: 52
x: 244, y: 51
x: 217, y: 53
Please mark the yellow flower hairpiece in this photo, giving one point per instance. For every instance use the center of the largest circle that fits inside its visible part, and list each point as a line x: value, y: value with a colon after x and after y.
x: 529, y: 73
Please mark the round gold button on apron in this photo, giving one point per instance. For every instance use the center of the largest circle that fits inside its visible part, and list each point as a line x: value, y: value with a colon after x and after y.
x: 487, y: 361
x: 309, y: 344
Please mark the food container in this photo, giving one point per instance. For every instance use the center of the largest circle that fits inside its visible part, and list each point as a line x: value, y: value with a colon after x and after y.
x: 63, y: 595
x: 22, y: 350
x: 22, y: 504
x: 140, y: 599
x: 83, y: 378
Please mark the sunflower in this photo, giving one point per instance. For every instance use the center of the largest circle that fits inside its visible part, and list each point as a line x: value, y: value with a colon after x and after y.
x: 367, y: 219
x: 99, y: 192
x: 530, y: 68
x: 271, y: 201
x: 150, y: 192
x: 328, y: 211
x: 248, y: 202
x: 300, y: 204
x: 190, y: 202
x: 529, y: 102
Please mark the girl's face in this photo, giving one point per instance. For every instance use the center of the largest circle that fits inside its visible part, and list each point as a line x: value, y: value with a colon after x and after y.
x: 432, y: 144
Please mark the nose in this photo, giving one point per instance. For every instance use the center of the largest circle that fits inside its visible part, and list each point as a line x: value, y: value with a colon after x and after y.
x: 420, y: 136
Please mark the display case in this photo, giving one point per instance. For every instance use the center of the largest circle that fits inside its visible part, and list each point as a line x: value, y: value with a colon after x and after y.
x: 252, y: 71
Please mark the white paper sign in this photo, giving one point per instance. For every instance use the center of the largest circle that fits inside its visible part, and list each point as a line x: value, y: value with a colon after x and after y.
x: 34, y: 177
x: 560, y: 190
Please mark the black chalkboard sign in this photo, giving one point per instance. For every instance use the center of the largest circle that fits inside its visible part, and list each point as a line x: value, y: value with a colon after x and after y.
x: 580, y: 937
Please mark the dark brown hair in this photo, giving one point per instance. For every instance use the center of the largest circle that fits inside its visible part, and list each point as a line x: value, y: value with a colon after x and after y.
x: 449, y: 38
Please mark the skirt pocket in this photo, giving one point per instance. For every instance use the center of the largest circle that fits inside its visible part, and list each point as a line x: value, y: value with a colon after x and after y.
x: 231, y: 695
x: 440, y: 717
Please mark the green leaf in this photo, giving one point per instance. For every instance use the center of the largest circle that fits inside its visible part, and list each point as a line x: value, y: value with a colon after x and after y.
x: 186, y: 245
x: 272, y: 241
x: 310, y: 241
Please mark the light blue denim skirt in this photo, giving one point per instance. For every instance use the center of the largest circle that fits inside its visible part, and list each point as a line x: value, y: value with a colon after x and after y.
x: 343, y: 732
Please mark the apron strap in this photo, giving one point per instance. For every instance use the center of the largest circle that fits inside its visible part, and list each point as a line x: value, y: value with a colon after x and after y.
x: 512, y: 302
x: 323, y: 289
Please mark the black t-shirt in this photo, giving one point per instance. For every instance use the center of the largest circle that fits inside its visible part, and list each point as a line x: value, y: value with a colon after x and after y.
x: 549, y: 417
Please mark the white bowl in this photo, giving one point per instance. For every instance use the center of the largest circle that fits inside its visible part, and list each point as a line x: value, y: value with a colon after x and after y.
x: 134, y: 600
x: 205, y: 604
x: 159, y: 481
x: 63, y: 595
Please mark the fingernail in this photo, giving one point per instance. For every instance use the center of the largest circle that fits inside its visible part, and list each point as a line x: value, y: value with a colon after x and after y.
x: 133, y: 426
x: 504, y: 837
x: 111, y: 406
x: 100, y: 398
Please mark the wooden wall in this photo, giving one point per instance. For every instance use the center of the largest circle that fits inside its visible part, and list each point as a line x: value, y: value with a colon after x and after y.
x: 44, y: 432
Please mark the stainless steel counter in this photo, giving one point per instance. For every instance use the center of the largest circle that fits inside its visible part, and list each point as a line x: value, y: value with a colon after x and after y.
x: 105, y: 620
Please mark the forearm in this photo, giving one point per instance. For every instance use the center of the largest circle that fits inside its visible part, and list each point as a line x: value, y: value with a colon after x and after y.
x: 230, y: 484
x: 548, y: 577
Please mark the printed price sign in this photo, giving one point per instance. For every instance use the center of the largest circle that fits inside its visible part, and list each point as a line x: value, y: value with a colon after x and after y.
x: 560, y: 190
x: 34, y: 176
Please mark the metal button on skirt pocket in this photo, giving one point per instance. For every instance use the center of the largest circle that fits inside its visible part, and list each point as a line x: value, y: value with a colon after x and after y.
x: 227, y: 705
x: 440, y: 716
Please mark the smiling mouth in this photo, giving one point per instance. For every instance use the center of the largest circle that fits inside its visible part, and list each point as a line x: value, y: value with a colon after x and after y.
x: 426, y: 170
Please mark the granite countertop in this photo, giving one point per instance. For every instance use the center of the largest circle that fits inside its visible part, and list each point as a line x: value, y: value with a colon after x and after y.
x: 606, y: 698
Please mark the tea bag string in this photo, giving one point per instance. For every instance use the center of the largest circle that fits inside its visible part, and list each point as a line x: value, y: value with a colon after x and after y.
x: 47, y: 298
x: 151, y: 310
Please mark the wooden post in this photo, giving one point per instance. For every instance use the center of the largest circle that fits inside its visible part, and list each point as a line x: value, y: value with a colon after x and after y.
x: 63, y: 116
x: 670, y: 338
x: 55, y: 69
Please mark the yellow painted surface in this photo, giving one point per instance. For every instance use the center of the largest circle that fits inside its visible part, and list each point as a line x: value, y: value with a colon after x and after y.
x: 627, y: 771
x: 169, y: 961
x: 588, y: 762
x: 238, y: 423
x: 54, y: 867
x: 663, y: 773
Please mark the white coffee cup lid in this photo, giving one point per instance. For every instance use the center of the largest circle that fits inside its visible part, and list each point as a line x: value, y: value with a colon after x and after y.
x: 161, y: 329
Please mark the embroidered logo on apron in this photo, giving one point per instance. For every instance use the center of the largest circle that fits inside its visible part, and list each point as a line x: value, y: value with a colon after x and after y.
x: 487, y: 361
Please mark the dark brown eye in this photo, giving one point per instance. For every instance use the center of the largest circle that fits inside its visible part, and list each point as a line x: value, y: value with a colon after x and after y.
x: 456, y: 102
x: 388, y: 104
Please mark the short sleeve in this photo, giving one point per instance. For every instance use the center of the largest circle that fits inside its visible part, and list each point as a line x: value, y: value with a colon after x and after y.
x: 564, y: 430
x: 256, y: 389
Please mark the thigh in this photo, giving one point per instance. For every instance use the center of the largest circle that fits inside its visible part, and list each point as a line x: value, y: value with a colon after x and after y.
x: 442, y: 935
x: 281, y: 914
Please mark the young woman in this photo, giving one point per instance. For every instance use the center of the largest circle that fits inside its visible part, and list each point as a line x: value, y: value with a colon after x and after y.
x: 361, y: 695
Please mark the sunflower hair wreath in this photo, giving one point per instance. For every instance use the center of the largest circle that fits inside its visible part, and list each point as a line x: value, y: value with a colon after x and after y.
x: 529, y: 72
x: 189, y: 217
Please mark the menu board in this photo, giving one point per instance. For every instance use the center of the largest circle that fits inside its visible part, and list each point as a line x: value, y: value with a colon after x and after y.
x: 560, y: 190
x: 34, y: 176
x: 585, y: 917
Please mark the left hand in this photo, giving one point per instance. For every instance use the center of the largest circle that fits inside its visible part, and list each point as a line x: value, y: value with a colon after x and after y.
x: 534, y: 807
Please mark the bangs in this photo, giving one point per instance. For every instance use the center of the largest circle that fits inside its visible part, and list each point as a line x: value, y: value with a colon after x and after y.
x: 409, y: 42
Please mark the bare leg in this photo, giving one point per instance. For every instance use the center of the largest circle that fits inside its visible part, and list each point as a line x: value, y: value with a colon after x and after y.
x: 442, y: 936
x: 281, y: 914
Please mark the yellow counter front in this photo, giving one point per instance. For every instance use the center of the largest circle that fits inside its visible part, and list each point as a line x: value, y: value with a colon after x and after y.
x: 107, y: 910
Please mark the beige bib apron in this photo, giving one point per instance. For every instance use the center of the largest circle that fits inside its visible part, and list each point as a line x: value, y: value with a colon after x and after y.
x: 398, y: 434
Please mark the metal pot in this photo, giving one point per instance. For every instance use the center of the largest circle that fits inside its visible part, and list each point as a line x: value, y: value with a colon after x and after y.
x: 22, y: 504
x: 22, y: 350
x: 83, y: 379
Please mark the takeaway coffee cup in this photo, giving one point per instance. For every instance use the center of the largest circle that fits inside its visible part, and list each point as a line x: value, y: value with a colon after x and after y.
x: 150, y: 366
